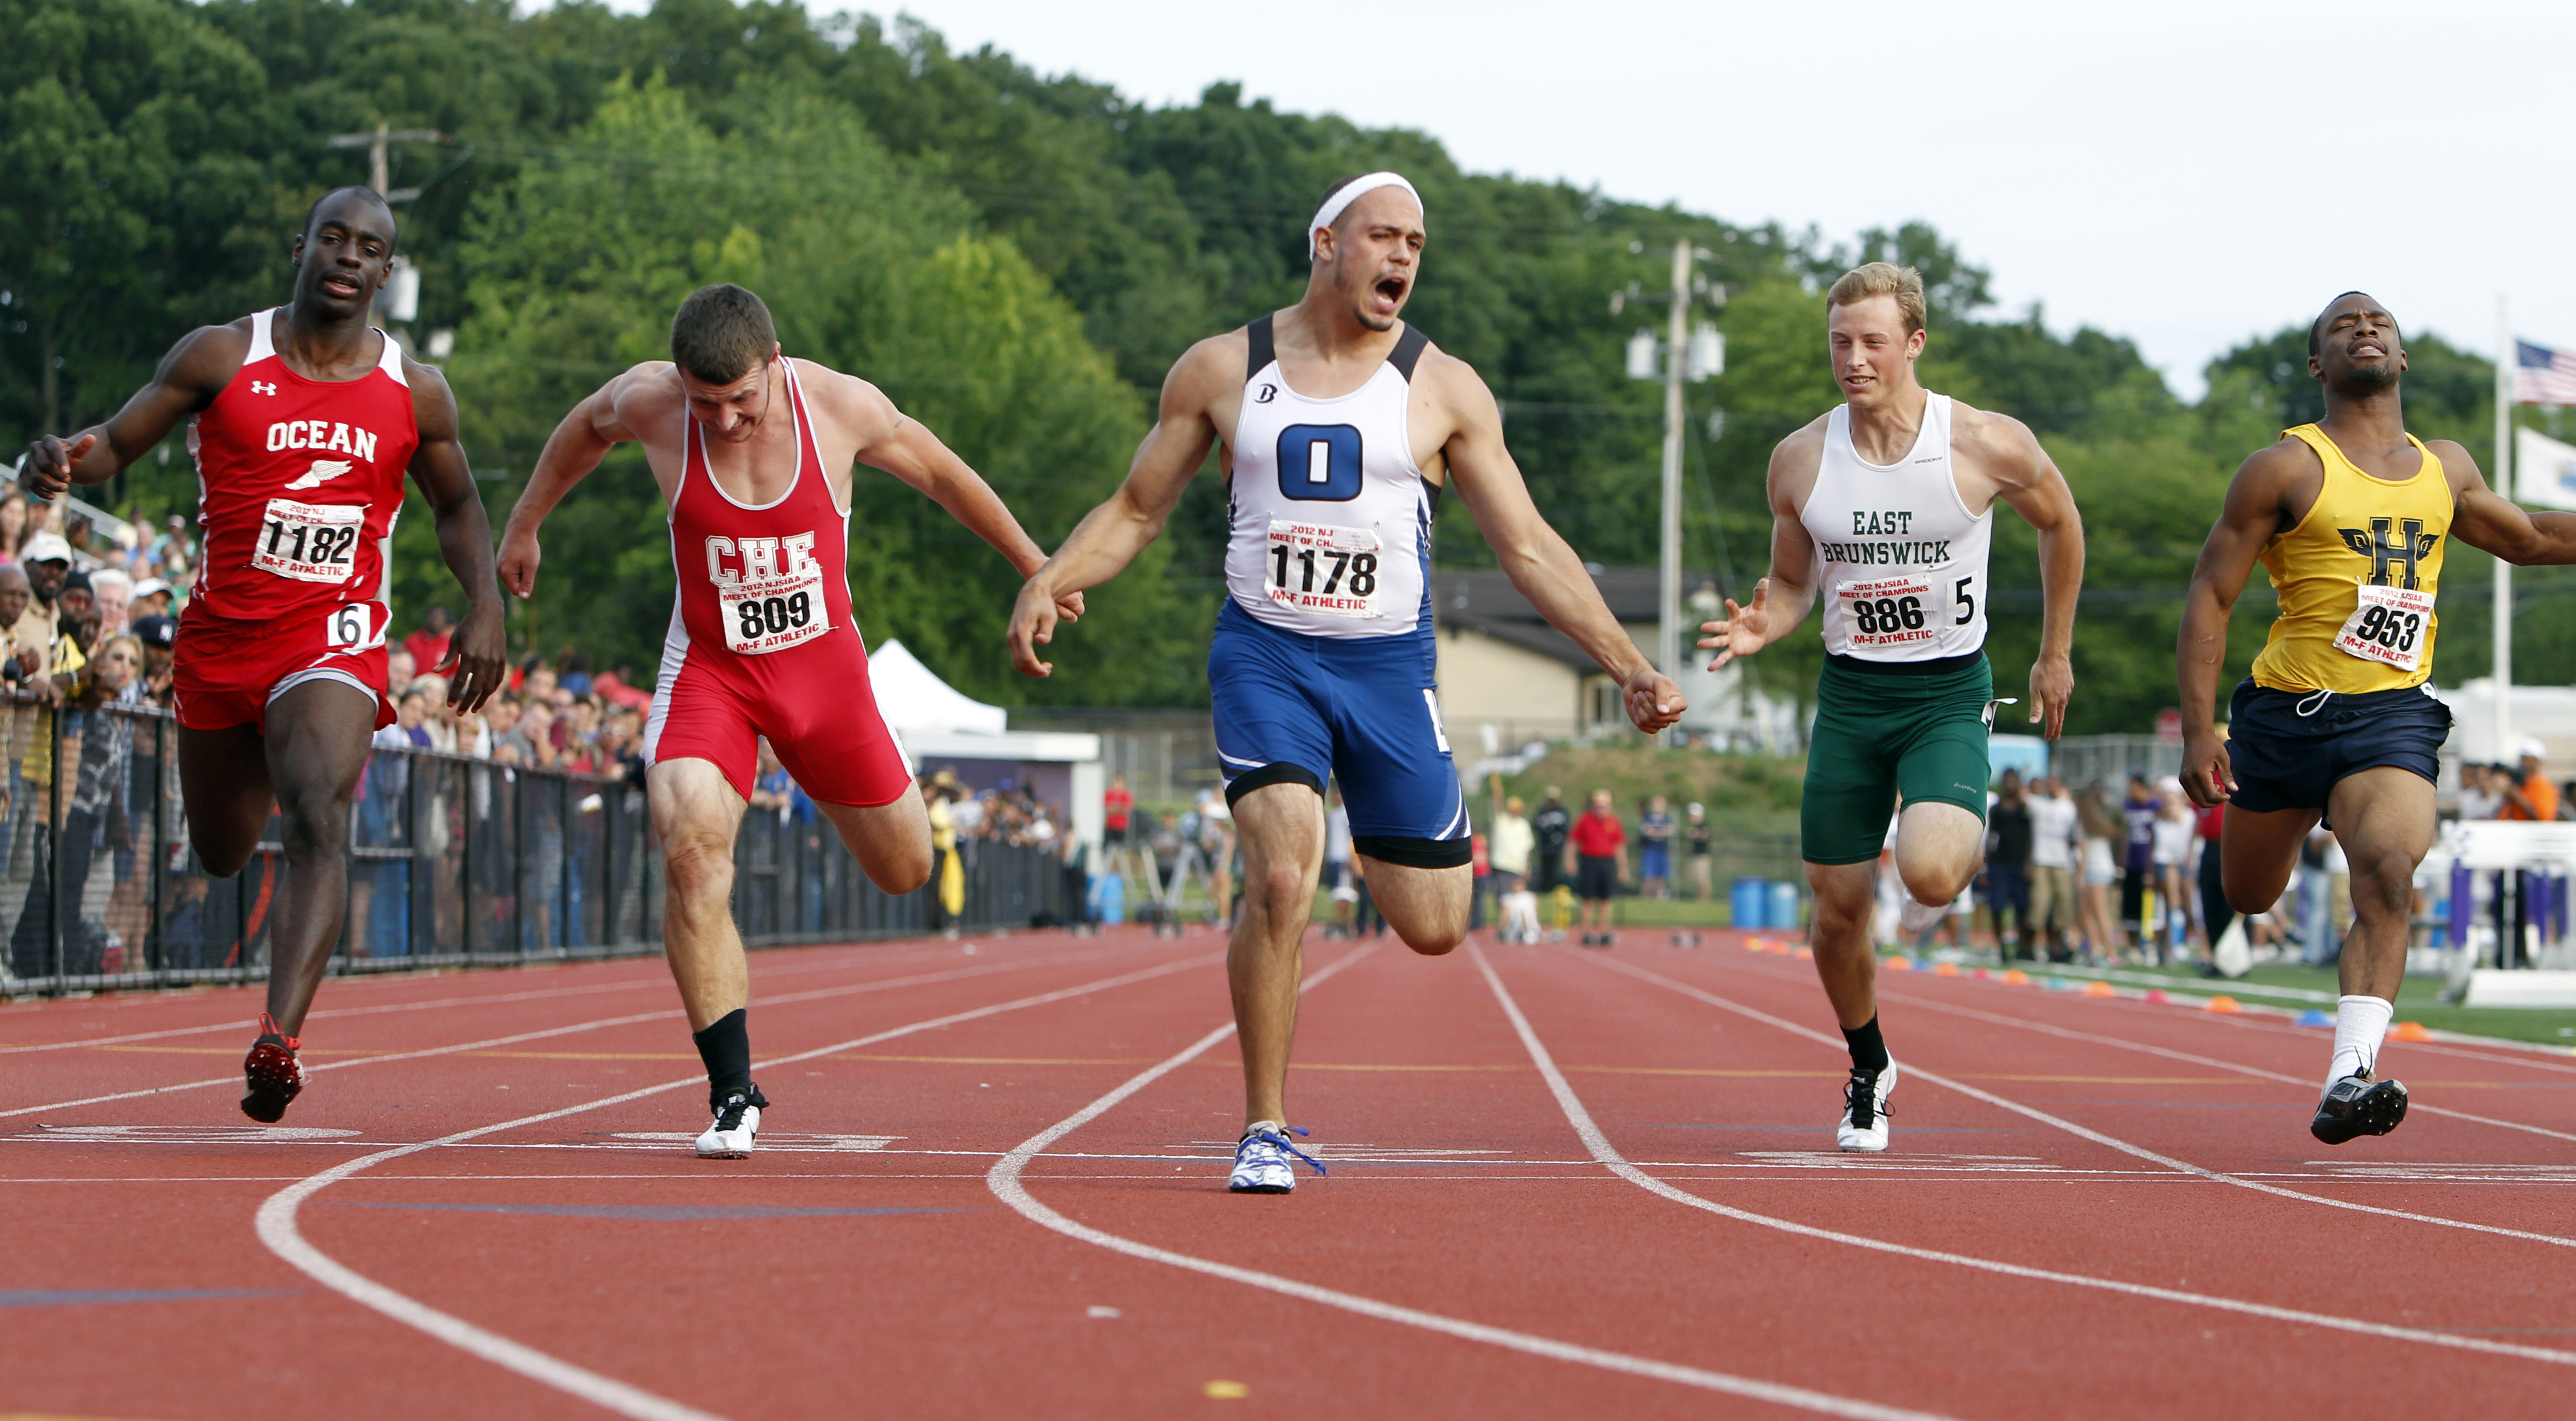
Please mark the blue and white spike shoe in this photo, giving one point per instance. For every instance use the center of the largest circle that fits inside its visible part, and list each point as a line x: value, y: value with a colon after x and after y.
x: 1261, y: 1160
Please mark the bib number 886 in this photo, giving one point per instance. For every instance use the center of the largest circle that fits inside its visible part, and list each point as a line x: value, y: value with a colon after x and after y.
x: 1887, y: 614
x: 766, y: 616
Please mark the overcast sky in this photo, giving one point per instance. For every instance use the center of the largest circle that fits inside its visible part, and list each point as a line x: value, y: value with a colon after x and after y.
x: 2187, y: 174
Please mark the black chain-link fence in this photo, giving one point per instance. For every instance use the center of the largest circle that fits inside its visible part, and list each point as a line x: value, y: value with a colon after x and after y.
x: 455, y: 862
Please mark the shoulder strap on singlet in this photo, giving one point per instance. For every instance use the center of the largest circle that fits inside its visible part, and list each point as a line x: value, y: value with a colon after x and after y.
x: 261, y: 346
x: 391, y: 362
x: 1408, y: 351
x: 1263, y: 352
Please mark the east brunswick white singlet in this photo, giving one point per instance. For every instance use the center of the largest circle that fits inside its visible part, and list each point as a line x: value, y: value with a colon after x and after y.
x: 1330, y: 520
x: 1901, y: 562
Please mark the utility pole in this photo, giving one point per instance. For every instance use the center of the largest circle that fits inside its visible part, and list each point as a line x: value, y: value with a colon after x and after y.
x: 1691, y: 353
x: 379, y: 157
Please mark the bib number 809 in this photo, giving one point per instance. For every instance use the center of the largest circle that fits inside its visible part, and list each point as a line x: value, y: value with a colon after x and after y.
x: 768, y: 616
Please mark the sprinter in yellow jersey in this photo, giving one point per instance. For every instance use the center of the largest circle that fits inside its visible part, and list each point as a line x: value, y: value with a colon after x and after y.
x: 2350, y: 516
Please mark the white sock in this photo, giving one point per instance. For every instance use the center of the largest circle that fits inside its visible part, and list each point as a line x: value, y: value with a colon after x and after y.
x: 2360, y: 1023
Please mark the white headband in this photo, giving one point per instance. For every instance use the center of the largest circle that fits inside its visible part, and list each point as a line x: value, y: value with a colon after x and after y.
x: 1350, y: 192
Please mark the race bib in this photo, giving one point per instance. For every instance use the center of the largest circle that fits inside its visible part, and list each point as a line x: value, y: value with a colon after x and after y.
x: 773, y: 599
x: 2387, y: 627
x: 354, y: 626
x: 1316, y: 567
x: 310, y: 542
x: 1890, y: 612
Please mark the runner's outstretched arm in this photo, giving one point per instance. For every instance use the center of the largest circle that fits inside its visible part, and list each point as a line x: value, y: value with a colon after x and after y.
x: 2256, y: 504
x: 575, y: 448
x: 477, y: 652
x: 188, y: 379
x: 1110, y: 536
x: 904, y: 447
x: 1535, y: 556
x: 2035, y: 489
x: 2487, y: 520
x: 1782, y: 599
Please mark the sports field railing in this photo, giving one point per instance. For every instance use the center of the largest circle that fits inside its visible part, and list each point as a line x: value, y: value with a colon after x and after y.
x: 454, y: 862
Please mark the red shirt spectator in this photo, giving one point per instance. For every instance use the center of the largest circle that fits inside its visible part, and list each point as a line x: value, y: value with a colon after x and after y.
x: 1115, y: 802
x: 428, y: 646
x: 1598, y: 835
x: 2212, y: 820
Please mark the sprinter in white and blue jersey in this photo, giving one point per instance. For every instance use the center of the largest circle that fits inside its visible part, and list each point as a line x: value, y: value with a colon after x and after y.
x: 1337, y: 426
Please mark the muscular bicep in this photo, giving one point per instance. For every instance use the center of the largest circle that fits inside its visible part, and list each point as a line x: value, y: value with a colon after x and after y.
x: 2257, y: 500
x: 438, y: 465
x: 185, y: 383
x: 1481, y: 466
x: 2029, y: 483
x: 1185, y: 429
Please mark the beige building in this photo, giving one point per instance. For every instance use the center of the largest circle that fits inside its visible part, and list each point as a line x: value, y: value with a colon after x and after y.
x: 1508, y: 678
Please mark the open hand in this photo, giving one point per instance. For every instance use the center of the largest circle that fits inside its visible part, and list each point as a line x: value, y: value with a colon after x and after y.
x: 1742, y: 631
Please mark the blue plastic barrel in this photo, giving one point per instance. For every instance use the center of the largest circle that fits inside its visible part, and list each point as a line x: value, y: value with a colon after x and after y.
x: 1784, y: 906
x: 1108, y: 899
x: 1750, y: 898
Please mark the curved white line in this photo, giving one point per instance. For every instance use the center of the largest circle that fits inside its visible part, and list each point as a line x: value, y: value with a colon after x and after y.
x: 1005, y: 1182
x: 2303, y: 1082
x: 2097, y: 1137
x: 278, y: 1229
x: 783, y: 999
x: 1609, y: 1156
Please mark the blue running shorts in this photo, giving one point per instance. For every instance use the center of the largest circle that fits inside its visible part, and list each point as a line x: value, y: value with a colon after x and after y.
x: 2289, y: 750
x: 1306, y: 710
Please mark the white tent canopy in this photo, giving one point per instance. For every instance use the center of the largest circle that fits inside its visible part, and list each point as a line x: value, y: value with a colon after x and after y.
x: 912, y: 698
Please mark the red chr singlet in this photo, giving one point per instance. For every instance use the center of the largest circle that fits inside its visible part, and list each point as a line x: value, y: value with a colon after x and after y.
x: 763, y: 640
x: 299, y: 482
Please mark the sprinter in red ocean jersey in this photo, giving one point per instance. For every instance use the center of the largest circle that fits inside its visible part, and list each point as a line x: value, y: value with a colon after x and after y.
x: 753, y: 453
x: 307, y: 420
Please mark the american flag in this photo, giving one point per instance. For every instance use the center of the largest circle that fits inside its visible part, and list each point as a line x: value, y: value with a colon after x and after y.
x: 2543, y: 376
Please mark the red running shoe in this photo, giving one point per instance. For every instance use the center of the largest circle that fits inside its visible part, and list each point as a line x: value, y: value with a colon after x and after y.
x: 275, y: 1077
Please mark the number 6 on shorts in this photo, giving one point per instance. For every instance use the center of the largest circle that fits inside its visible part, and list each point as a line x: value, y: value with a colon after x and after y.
x: 352, y: 627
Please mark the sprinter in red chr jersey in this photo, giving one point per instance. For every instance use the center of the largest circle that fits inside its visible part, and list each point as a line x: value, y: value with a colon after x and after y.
x: 753, y: 453
x: 307, y: 420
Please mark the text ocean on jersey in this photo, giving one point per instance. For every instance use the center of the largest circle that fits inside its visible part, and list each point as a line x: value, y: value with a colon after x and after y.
x: 298, y: 484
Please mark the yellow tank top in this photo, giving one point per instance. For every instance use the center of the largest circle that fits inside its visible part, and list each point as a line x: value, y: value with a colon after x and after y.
x: 2356, y: 579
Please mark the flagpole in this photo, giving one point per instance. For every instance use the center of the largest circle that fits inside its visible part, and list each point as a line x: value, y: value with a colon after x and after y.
x: 2504, y: 570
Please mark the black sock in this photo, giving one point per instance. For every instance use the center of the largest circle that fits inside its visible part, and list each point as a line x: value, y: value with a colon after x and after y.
x: 726, y: 1048
x: 1868, y: 1051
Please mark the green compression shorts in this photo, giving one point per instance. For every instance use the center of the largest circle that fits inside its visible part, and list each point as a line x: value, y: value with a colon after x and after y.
x: 1882, y: 728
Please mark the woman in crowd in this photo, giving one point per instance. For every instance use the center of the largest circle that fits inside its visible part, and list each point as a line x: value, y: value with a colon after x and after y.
x: 2098, y: 918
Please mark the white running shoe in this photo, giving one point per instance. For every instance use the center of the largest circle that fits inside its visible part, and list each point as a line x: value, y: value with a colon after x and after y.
x: 737, y: 1123
x: 1864, y: 1125
x: 1915, y: 918
x: 1261, y: 1160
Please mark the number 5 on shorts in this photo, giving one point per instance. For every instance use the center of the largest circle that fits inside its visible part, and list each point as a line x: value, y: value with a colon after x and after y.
x: 352, y: 627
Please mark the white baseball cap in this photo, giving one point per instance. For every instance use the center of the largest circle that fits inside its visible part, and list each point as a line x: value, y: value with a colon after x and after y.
x: 149, y: 586
x: 46, y: 547
x: 2532, y: 748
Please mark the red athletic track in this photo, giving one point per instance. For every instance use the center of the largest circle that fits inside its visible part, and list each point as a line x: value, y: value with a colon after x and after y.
x: 2095, y: 1207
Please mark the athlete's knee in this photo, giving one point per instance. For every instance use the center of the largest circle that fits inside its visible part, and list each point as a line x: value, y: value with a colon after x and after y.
x: 1436, y: 940
x: 2383, y: 882
x: 1935, y: 884
x: 698, y: 868
x: 901, y: 870
x: 2249, y: 897
x: 313, y: 819
x: 1279, y: 890
x: 220, y: 855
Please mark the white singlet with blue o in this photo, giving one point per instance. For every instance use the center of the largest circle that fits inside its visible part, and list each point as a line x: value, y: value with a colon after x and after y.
x: 1323, y: 664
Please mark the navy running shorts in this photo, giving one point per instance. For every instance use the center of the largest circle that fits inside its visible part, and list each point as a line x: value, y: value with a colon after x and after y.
x: 1301, y: 709
x: 2287, y: 760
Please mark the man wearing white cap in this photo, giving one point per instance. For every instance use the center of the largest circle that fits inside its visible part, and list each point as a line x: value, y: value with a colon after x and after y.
x: 1336, y: 424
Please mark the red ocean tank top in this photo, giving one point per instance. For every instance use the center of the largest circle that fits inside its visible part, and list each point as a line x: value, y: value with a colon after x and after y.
x: 764, y: 591
x: 298, y: 485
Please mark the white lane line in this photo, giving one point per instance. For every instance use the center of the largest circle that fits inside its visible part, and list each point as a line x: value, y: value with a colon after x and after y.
x: 783, y: 999
x: 278, y: 1230
x: 2082, y: 1132
x: 1610, y: 1158
x: 1004, y: 1179
x: 536, y: 995
x: 2307, y: 1083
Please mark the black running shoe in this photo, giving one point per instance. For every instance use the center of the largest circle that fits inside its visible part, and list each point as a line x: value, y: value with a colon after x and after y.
x: 272, y: 1075
x: 2357, y: 1106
